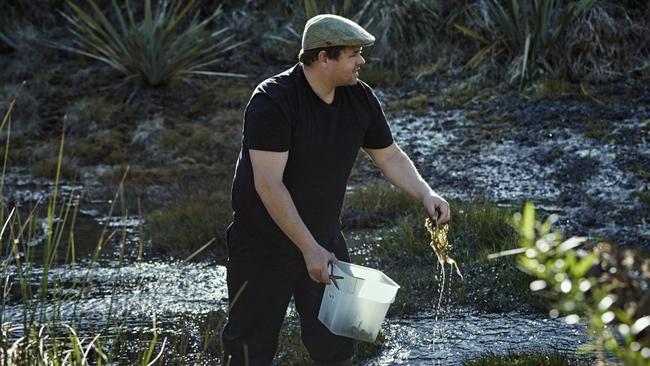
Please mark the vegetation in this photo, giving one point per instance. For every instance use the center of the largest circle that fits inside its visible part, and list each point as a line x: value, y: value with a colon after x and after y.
x: 187, y: 227
x: 401, y: 248
x: 155, y: 49
x: 185, y: 135
x: 524, y: 32
x: 604, y: 285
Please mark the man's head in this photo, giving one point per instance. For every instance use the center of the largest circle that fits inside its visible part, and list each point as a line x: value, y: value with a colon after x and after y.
x: 335, y: 43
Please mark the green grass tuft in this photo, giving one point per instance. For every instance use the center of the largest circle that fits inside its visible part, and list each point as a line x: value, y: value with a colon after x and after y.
x: 183, y: 228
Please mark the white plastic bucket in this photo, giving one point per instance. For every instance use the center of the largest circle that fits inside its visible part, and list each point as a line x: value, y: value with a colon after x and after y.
x: 358, y: 307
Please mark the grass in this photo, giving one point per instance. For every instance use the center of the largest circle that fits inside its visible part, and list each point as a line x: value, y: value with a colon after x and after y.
x: 41, y: 337
x: 399, y: 245
x: 523, y: 359
x: 181, y: 229
x: 415, y: 102
x: 459, y: 93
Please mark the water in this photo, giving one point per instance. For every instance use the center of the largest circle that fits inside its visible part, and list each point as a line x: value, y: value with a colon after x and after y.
x: 587, y: 182
x: 125, y: 298
x: 170, y: 291
x: 463, y: 334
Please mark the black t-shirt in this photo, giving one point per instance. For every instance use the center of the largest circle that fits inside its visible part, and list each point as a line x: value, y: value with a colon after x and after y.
x: 284, y: 114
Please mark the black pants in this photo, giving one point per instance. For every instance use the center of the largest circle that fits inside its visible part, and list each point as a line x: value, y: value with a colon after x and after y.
x: 259, y: 291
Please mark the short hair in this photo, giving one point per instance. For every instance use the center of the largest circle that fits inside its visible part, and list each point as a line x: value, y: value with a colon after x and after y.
x: 309, y: 56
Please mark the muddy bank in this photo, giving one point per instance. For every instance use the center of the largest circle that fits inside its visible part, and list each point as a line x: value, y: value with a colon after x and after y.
x: 587, y: 159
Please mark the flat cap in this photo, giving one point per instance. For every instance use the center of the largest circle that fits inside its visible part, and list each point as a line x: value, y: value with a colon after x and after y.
x: 327, y: 30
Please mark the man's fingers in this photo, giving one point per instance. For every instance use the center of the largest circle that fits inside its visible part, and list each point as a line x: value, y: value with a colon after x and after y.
x: 444, y: 213
x: 333, y: 259
x: 319, y: 275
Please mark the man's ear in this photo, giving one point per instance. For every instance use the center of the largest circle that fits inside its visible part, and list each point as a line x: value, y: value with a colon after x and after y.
x: 322, y: 57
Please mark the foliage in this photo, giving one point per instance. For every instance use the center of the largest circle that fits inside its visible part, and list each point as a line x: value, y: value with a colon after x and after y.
x: 398, y: 25
x: 404, y: 29
x: 524, y: 32
x: 606, y: 285
x: 607, y: 41
x: 168, y: 43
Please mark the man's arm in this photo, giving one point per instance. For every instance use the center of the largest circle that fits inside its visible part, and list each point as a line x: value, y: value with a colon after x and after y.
x: 268, y: 169
x: 400, y: 171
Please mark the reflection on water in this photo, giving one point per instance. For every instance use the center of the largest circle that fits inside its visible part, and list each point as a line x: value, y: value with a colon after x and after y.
x: 463, y: 334
x: 133, y: 293
x: 181, y: 295
x: 189, y: 300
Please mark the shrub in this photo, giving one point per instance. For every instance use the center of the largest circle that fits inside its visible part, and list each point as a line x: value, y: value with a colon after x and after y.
x: 605, y: 42
x: 399, y: 26
x: 521, y: 33
x: 156, y: 49
x: 604, y: 284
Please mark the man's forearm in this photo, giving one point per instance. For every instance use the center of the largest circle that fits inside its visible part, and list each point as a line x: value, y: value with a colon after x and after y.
x: 401, y: 172
x: 279, y: 204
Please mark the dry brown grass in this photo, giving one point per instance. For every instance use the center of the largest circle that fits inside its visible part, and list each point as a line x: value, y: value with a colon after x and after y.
x: 606, y: 42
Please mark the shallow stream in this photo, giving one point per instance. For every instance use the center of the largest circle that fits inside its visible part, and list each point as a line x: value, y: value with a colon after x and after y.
x: 555, y: 165
x: 127, y: 298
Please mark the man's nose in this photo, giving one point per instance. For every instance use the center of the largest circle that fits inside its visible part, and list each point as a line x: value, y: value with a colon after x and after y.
x: 363, y: 60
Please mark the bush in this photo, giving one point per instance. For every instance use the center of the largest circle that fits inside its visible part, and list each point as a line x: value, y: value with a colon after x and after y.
x: 155, y: 49
x: 521, y: 34
x: 605, y: 42
x: 605, y: 285
x: 399, y: 26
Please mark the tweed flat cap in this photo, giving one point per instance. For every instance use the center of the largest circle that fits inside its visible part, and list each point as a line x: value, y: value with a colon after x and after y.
x: 327, y: 30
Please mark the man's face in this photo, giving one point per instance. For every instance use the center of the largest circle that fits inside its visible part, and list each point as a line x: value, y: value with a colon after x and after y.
x: 346, y: 67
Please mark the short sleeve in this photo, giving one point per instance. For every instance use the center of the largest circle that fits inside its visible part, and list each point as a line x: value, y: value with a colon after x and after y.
x: 266, y: 127
x: 378, y: 135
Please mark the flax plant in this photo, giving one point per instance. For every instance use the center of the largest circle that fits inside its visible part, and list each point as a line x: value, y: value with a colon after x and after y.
x: 523, y: 32
x: 169, y: 42
x: 398, y: 25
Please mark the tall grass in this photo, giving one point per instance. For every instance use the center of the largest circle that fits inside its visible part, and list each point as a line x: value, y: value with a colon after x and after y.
x: 169, y: 42
x: 521, y: 32
x: 43, y: 336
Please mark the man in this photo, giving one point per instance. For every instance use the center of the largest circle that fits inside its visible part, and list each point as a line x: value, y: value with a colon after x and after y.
x: 302, y: 131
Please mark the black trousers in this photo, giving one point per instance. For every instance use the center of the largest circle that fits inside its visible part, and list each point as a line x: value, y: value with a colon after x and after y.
x: 259, y: 292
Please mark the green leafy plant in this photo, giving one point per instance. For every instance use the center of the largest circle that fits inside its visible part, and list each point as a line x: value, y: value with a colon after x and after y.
x: 522, y: 32
x: 604, y: 285
x: 168, y: 43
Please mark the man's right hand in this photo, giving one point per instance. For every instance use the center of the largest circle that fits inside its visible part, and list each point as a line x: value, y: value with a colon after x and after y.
x: 317, y: 260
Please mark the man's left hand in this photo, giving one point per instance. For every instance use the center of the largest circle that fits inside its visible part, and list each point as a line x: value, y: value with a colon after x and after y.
x: 432, y: 202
